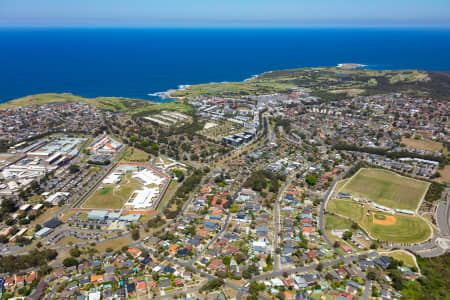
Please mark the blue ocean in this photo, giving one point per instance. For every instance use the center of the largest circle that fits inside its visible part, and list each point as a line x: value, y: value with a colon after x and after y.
x: 137, y: 62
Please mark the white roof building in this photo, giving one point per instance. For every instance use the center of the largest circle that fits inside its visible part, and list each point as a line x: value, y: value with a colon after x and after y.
x: 276, y: 282
x: 142, y: 198
x: 24, y: 207
x: 54, y: 199
x: 149, y: 177
x: 94, y: 296
x: 113, y: 178
x: 259, y: 246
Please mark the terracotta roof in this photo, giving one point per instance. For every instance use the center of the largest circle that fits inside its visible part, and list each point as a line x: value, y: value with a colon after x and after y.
x: 95, y: 278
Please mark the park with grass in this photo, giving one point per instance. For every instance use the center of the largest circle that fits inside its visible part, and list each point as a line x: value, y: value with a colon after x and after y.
x: 329, y: 83
x: 398, y: 228
x: 386, y: 188
x: 125, y: 105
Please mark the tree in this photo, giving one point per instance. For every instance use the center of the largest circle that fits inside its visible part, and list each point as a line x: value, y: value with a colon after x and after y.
x: 135, y: 235
x: 247, y: 274
x: 133, y: 139
x: 70, y: 262
x: 4, y: 239
x: 179, y: 174
x: 74, y: 168
x: 319, y: 267
x: 75, y: 252
x: 155, y: 276
x: 311, y: 180
x: 212, y: 285
x: 371, y: 275
x: 347, y: 235
x: 253, y: 288
x: 226, y: 260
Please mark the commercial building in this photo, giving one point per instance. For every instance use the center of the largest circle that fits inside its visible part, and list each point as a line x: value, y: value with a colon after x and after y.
x: 239, y: 139
x: 106, y: 144
x: 97, y: 215
x: 43, y: 232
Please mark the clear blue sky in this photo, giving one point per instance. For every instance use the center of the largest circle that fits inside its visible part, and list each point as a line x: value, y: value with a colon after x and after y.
x: 224, y: 13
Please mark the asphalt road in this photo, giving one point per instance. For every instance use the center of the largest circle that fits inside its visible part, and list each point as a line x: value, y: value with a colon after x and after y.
x: 367, y: 291
x: 443, y: 214
x: 322, y: 213
x: 213, y: 240
x: 277, y: 224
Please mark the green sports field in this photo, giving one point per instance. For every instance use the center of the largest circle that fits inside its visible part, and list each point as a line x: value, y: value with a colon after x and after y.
x: 386, y: 188
x: 406, y: 229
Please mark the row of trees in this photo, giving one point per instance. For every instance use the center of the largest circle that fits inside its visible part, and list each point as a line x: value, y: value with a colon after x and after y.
x: 387, y: 153
x: 183, y: 192
x: 13, y: 264
x: 434, y: 194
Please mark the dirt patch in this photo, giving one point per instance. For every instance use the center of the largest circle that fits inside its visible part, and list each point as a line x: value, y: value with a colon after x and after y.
x: 383, y: 219
x: 445, y: 175
x: 426, y: 145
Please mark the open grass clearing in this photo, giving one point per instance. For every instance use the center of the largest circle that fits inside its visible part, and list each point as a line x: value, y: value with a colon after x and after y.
x: 426, y: 145
x: 351, y: 92
x: 404, y: 256
x: 340, y: 184
x: 127, y: 105
x: 115, y: 244
x: 68, y: 213
x: 135, y: 155
x: 113, y: 196
x: 445, y: 175
x: 336, y: 222
x: 346, y: 208
x: 386, y: 188
x: 47, y: 215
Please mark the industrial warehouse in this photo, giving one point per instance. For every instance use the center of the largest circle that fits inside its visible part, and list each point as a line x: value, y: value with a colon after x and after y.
x: 35, y: 160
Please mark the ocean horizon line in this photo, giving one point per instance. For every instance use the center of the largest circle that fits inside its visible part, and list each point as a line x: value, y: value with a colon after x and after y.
x: 133, y: 63
x: 280, y: 27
